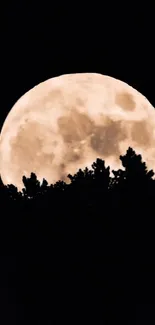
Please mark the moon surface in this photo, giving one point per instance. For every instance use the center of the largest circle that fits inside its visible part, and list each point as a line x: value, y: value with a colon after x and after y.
x: 66, y: 122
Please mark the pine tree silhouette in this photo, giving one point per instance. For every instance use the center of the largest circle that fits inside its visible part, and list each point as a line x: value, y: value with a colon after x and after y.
x: 88, y: 244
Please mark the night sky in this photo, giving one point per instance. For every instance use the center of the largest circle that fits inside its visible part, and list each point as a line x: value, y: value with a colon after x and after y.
x: 39, y: 41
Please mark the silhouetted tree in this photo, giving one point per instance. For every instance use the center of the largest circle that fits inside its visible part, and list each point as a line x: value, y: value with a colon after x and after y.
x: 135, y: 169
x: 92, y: 238
x: 44, y: 186
x: 32, y: 186
x: 13, y: 192
x: 101, y: 176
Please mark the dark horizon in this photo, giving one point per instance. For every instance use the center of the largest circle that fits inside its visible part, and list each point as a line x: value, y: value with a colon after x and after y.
x: 91, y: 240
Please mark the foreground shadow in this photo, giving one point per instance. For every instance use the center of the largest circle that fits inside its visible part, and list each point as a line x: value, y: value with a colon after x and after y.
x: 84, y: 251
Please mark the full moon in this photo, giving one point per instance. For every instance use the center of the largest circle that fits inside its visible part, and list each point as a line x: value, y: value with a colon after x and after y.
x: 66, y: 122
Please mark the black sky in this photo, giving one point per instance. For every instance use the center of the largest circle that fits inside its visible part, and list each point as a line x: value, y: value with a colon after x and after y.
x: 40, y: 41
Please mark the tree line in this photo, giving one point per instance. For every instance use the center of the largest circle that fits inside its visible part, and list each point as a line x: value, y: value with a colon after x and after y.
x: 84, y: 250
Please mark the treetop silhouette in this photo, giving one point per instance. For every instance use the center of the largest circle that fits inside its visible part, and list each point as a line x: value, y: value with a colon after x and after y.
x: 86, y: 238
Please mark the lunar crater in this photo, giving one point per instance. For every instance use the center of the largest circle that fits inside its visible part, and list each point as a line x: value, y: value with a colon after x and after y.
x: 141, y: 134
x: 74, y: 127
x: 105, y: 139
x: 125, y: 101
